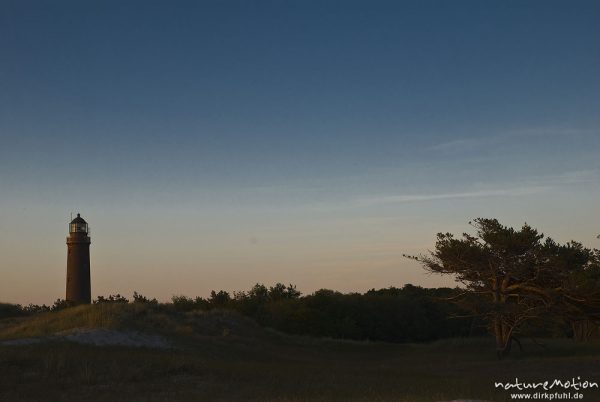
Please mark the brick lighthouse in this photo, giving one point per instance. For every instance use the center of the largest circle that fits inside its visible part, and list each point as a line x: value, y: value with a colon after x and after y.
x: 78, y: 262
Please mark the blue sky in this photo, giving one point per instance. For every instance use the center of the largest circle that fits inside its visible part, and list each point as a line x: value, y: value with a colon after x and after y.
x: 217, y: 144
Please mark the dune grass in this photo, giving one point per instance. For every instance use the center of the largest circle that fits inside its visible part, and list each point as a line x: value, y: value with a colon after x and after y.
x: 223, y: 356
x: 133, y: 316
x: 44, y: 324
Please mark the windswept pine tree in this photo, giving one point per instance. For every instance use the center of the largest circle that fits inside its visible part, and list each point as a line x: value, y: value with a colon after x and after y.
x: 512, y: 276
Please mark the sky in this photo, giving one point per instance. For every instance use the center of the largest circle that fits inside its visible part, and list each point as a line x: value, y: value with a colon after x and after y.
x: 217, y: 144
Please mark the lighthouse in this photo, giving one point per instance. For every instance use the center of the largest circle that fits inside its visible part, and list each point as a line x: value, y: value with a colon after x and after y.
x: 78, y: 262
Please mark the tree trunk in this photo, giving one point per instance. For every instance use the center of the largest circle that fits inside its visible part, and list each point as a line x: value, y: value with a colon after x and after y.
x: 583, y: 330
x: 503, y: 334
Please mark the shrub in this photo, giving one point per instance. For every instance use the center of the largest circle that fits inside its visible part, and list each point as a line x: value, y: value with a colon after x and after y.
x: 139, y: 298
x: 111, y: 299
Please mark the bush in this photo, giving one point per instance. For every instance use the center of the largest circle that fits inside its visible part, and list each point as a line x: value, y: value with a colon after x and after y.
x: 11, y: 310
x: 61, y: 304
x: 35, y: 309
x: 183, y: 303
x: 111, y: 299
x: 138, y: 298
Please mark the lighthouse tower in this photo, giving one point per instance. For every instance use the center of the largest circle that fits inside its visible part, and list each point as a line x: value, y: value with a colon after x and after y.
x: 78, y: 262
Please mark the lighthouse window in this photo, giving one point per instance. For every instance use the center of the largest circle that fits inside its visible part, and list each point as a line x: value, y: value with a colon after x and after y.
x: 75, y: 227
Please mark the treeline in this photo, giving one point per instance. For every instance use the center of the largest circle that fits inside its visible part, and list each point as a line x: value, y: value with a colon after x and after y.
x: 8, y: 310
x: 407, y: 314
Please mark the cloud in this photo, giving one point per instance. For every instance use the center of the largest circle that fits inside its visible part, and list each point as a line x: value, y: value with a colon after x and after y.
x: 397, y: 199
x: 524, y: 187
x: 475, y: 143
x: 462, y: 144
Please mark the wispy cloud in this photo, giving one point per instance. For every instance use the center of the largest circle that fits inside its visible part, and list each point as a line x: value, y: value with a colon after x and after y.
x: 396, y: 199
x: 475, y: 143
x: 523, y: 187
x: 464, y: 144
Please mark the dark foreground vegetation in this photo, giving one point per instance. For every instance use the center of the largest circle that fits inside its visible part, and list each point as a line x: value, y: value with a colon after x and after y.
x: 408, y: 314
x: 222, y: 355
x: 399, y: 315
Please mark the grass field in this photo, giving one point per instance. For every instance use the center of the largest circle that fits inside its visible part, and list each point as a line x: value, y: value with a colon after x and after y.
x: 223, y: 356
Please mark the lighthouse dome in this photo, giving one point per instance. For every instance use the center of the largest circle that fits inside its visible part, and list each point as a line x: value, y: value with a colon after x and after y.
x: 78, y: 225
x: 78, y: 219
